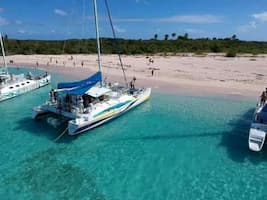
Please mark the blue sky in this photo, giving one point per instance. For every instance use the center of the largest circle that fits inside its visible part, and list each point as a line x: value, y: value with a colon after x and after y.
x: 61, y: 19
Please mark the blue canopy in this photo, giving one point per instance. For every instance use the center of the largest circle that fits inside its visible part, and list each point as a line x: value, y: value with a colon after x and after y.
x: 80, y: 87
x: 91, y: 80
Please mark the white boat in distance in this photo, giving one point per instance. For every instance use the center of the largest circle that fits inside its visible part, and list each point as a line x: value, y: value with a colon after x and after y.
x: 14, y: 85
x: 91, y: 102
x: 258, y: 129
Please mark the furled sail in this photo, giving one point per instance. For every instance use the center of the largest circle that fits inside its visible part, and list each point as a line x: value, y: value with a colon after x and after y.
x: 89, y: 81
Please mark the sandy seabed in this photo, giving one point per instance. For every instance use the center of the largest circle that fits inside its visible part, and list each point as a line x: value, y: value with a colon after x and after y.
x: 211, y: 74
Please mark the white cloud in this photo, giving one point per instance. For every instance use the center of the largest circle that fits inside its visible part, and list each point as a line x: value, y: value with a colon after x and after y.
x: 132, y: 20
x: 18, y: 22
x: 261, y: 16
x: 3, y: 21
x: 247, y: 27
x: 21, y: 31
x: 143, y: 1
x: 119, y: 30
x: 60, y: 12
x: 191, y: 19
x: 252, y: 24
x: 194, y: 31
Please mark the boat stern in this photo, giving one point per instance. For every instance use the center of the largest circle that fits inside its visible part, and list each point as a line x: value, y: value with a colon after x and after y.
x: 45, y: 80
x: 256, y: 138
x: 37, y: 112
x: 76, y: 126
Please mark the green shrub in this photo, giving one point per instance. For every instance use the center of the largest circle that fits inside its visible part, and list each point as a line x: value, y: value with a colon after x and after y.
x: 230, y: 53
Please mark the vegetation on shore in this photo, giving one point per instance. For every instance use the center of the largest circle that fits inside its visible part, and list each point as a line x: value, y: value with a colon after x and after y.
x: 169, y: 44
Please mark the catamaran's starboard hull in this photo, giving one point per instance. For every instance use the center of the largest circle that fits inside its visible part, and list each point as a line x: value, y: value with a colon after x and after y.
x: 75, y: 126
x: 23, y: 87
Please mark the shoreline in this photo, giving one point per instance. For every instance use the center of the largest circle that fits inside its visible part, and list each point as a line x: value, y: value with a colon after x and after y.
x: 213, y: 75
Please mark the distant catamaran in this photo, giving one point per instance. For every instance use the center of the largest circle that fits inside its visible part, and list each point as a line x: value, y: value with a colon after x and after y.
x: 14, y: 85
x: 91, y: 102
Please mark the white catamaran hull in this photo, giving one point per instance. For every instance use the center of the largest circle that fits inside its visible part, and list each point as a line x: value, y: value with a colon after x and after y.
x: 80, y: 125
x: 85, y: 122
x: 257, y: 135
x: 23, y: 86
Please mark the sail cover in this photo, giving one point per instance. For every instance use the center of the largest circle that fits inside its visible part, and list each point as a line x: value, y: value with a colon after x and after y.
x: 89, y: 81
x: 80, y: 87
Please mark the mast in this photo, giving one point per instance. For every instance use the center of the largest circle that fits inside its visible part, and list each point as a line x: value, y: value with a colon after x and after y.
x: 98, y: 41
x: 3, y: 52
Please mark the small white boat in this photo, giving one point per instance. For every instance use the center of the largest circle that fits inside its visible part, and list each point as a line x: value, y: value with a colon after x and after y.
x: 91, y: 102
x: 14, y: 85
x: 258, y: 129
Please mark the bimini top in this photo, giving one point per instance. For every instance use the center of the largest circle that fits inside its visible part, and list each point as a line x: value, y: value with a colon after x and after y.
x: 98, y: 91
x: 80, y: 87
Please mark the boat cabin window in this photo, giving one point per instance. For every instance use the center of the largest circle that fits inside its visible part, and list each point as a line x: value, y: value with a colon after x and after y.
x: 17, y: 85
x: 22, y: 83
x: 87, y: 99
x: 27, y: 82
x: 11, y: 87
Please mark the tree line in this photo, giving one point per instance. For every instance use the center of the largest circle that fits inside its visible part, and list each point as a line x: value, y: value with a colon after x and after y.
x: 178, y: 44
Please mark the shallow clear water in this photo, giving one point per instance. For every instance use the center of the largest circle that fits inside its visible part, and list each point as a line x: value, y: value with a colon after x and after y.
x: 171, y: 147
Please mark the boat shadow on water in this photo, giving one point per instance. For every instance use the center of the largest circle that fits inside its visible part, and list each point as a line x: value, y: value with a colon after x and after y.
x: 236, y: 140
x: 42, y: 129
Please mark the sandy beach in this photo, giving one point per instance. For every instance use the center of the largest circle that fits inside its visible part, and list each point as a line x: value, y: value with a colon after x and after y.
x: 214, y: 74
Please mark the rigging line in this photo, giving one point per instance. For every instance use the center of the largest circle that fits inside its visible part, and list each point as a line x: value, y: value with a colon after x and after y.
x: 117, y: 45
x: 97, y: 39
x: 68, y: 26
x: 81, y: 40
x: 63, y: 133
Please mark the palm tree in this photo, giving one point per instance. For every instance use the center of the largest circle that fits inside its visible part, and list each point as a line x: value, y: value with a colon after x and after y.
x: 156, y: 36
x: 186, y: 36
x: 234, y: 37
x: 166, y: 36
x: 173, y: 35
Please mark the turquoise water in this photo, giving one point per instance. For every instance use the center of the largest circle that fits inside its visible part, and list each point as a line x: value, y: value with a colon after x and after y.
x: 171, y: 147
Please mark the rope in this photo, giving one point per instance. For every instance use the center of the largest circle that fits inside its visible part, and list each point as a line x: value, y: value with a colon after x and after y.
x: 61, y: 135
x: 117, y: 45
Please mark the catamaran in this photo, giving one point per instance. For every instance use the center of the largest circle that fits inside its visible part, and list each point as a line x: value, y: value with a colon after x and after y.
x: 258, y: 129
x: 14, y: 85
x: 89, y: 103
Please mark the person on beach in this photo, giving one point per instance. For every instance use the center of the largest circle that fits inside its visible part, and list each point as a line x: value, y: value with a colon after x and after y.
x: 263, y: 96
x: 152, y: 72
x: 150, y: 61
